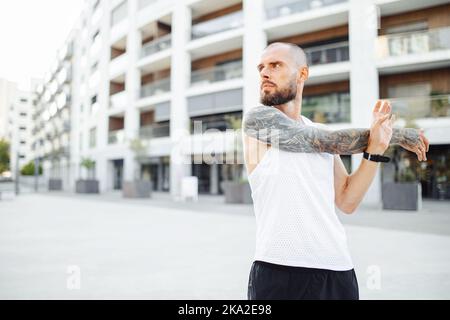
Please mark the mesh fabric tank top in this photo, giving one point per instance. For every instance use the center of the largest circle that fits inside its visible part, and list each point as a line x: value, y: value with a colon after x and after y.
x: 296, y: 222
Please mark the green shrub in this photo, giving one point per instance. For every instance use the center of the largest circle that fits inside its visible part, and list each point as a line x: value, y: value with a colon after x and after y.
x: 28, y: 169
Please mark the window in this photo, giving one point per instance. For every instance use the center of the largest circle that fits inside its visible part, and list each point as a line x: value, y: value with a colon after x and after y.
x: 327, y: 108
x: 22, y: 128
x: 409, y: 27
x: 92, y: 137
x: 23, y: 100
x: 23, y: 114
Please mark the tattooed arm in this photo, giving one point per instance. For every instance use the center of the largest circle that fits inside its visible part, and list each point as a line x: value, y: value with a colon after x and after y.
x: 272, y: 126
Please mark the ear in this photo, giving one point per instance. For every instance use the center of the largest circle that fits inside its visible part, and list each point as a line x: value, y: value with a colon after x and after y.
x: 303, y: 73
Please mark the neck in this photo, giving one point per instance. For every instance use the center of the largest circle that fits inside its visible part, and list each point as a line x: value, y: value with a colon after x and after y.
x: 292, y: 109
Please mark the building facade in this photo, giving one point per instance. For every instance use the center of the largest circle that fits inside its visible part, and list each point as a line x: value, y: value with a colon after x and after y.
x: 20, y: 126
x: 8, y: 93
x: 51, y: 133
x: 151, y: 70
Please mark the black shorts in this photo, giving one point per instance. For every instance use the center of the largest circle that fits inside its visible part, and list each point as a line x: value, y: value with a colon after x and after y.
x: 268, y: 281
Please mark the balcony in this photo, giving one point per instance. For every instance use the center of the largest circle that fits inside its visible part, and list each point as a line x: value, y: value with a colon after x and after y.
x: 118, y: 100
x: 118, y: 65
x: 330, y: 53
x: 421, y: 107
x: 155, y: 130
x: 410, y: 43
x: 232, y: 70
x: 329, y: 108
x: 288, y: 7
x: 219, y: 122
x: 119, y: 13
x: 155, y: 88
x: 227, y: 22
x: 115, y: 137
x: 156, y: 45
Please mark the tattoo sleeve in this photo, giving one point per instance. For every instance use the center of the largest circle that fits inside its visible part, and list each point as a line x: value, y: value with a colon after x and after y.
x: 270, y: 125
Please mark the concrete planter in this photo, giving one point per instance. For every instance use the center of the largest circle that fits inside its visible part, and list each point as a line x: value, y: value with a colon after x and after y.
x: 137, y: 189
x: 402, y: 196
x: 55, y: 184
x: 87, y: 186
x: 237, y: 192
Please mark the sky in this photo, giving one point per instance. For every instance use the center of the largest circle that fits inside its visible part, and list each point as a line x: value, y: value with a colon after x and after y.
x: 31, y: 33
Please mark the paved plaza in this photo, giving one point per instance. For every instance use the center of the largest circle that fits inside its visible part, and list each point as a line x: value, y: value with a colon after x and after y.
x: 159, y: 249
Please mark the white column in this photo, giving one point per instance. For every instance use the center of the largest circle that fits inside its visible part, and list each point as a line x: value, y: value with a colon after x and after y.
x: 363, y: 25
x: 179, y: 118
x: 132, y: 88
x: 255, y: 41
x: 101, y: 168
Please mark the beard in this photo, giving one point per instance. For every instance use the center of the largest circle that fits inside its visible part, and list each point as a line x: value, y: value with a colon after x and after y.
x: 278, y: 97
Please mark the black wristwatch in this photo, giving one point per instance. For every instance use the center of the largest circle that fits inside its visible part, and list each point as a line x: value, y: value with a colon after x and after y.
x: 376, y: 157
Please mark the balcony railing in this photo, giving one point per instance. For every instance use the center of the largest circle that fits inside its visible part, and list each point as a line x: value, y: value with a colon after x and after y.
x: 119, y: 13
x: 232, y: 70
x: 155, y: 130
x: 116, y: 136
x: 227, y: 22
x: 332, y: 108
x: 155, y: 88
x: 421, y: 107
x: 156, y: 45
x: 330, y: 53
x: 280, y: 8
x: 407, y: 43
x: 118, y: 100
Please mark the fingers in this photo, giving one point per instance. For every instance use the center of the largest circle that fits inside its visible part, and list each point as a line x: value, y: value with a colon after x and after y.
x: 423, y: 151
x: 377, y: 106
x: 425, y: 140
x: 383, y: 118
x: 386, y: 107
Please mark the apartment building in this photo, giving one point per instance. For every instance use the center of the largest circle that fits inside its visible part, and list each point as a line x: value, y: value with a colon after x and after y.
x: 152, y: 69
x: 19, y: 133
x: 8, y: 93
x: 52, y: 116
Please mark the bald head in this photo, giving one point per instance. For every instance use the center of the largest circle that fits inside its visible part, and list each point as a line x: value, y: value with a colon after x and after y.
x: 297, y: 53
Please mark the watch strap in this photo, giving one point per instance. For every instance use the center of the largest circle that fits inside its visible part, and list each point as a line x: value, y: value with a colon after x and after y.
x: 376, y: 157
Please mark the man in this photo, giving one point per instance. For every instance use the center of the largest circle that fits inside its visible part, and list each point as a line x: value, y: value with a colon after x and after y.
x: 297, y: 179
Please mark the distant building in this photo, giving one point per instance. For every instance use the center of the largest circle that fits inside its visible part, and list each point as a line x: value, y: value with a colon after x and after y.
x: 148, y: 69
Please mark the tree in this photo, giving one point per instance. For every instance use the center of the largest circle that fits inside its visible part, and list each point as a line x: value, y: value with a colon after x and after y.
x: 89, y: 164
x: 4, y: 155
x: 28, y: 169
x: 140, y: 153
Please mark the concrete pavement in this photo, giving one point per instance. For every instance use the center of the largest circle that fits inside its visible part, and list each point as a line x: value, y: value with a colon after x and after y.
x: 157, y: 249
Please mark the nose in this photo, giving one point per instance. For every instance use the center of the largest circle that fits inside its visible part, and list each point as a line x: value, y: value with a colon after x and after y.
x: 264, y: 73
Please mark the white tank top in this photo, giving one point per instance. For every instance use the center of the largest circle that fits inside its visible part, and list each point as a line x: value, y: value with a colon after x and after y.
x: 296, y: 221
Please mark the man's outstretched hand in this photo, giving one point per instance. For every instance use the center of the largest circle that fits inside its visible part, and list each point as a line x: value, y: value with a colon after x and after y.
x: 410, y: 139
x: 381, y: 128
